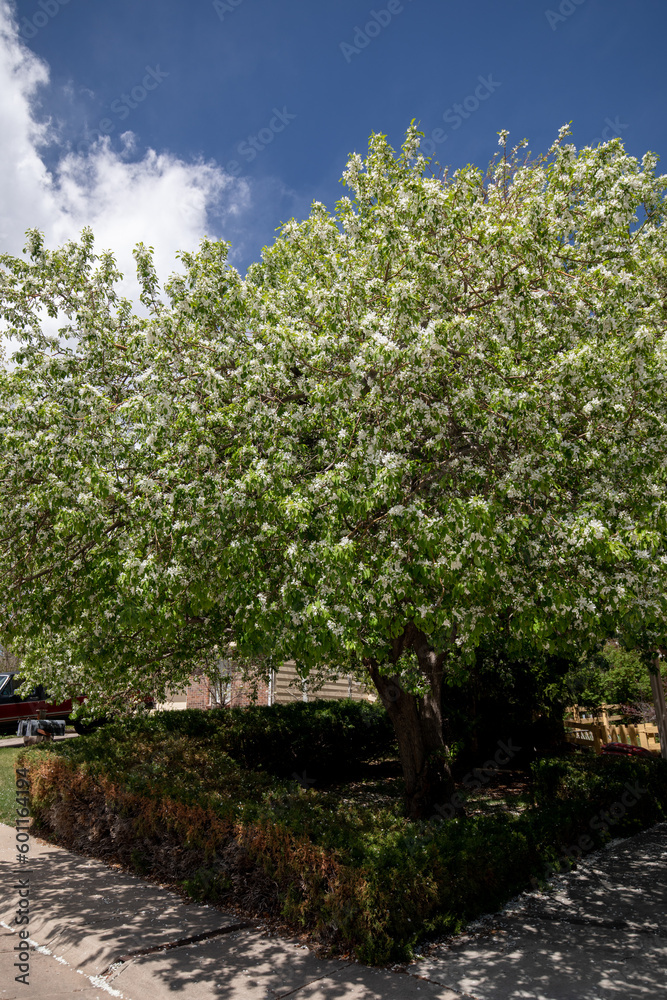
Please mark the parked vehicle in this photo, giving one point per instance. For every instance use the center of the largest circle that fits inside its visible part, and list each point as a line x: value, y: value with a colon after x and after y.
x: 625, y: 750
x: 14, y: 707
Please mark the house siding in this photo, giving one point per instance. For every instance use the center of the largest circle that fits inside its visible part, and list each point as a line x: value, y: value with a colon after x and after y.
x: 284, y: 687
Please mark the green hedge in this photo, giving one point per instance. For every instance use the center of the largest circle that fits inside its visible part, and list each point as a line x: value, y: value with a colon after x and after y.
x: 590, y: 799
x: 325, y: 739
x: 358, y: 876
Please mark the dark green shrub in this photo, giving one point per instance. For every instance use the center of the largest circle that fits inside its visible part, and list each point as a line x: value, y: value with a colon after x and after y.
x: 357, y: 875
x: 320, y: 741
x: 595, y: 778
x: 593, y: 796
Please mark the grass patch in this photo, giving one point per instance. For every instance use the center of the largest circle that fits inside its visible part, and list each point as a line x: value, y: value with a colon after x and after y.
x: 8, y: 757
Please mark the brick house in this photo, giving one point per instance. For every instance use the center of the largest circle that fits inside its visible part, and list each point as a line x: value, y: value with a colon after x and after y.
x: 282, y: 687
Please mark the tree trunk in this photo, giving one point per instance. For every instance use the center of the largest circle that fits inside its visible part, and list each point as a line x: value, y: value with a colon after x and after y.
x: 417, y: 720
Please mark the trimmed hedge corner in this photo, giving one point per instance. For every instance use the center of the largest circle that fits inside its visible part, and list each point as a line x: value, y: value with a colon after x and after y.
x: 202, y: 800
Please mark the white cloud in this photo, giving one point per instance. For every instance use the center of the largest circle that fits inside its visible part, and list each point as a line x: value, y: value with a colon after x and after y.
x: 158, y: 199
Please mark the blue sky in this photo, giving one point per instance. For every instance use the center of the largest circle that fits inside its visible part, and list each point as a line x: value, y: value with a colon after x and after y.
x: 251, y: 106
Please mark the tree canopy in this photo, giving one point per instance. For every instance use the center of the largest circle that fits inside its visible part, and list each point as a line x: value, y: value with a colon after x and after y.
x: 436, y: 415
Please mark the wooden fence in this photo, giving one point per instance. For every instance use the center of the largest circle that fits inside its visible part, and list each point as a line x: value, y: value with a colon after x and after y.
x: 588, y: 729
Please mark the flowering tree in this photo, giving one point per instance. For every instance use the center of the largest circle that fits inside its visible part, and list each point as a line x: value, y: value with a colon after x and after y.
x: 438, y: 415
x: 8, y: 662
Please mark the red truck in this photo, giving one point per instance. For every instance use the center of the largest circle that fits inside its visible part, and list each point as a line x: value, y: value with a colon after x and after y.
x: 14, y: 707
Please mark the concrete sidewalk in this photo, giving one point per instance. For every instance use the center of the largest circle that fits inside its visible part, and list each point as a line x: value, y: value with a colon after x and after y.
x: 599, y: 934
x: 113, y: 932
